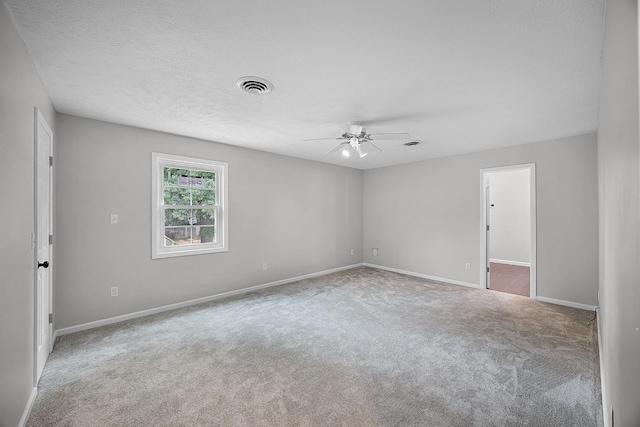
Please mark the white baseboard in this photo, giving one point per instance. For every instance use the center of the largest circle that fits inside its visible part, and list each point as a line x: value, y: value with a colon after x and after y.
x: 566, y: 303
x: 116, y: 319
x: 473, y: 285
x: 506, y: 261
x: 27, y: 409
x: 424, y: 276
x: 605, y: 397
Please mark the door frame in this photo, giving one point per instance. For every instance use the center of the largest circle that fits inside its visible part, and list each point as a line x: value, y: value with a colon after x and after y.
x: 39, y: 120
x: 484, y: 222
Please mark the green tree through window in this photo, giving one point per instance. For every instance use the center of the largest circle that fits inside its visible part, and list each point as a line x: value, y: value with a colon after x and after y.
x: 187, y: 194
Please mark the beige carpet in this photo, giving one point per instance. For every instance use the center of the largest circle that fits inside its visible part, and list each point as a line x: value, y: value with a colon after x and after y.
x: 362, y: 347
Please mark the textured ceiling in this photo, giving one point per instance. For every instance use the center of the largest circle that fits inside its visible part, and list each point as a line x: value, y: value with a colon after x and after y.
x: 460, y: 75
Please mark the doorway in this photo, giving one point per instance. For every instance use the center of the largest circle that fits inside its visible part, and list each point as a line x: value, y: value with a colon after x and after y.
x: 43, y: 242
x: 508, y: 237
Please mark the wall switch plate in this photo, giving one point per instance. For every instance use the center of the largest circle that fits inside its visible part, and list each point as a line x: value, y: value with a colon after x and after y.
x: 374, y: 251
x: 264, y: 266
x: 351, y: 251
x: 114, y: 291
x: 113, y: 218
x: 467, y: 266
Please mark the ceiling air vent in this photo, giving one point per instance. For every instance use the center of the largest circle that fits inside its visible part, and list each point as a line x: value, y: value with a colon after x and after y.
x: 412, y: 142
x: 254, y: 85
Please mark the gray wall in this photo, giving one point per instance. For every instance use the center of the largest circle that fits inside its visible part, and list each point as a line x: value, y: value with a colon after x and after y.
x: 425, y: 216
x: 296, y: 215
x: 510, y: 216
x: 20, y: 91
x: 618, y: 163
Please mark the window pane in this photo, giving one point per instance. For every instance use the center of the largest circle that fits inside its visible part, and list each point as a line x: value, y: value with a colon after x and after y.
x: 205, y: 234
x: 173, y: 217
x: 177, y: 196
x: 189, y: 178
x: 203, y: 197
x: 189, y: 235
x: 172, y: 176
x: 204, y: 179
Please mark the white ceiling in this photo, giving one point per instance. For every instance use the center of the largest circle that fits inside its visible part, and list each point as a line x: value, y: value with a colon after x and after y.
x: 461, y: 75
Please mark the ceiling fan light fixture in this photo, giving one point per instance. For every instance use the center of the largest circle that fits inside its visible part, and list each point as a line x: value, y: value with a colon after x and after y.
x: 358, y: 140
x: 361, y: 151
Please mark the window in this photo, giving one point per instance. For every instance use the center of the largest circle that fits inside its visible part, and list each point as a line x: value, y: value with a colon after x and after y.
x: 189, y: 202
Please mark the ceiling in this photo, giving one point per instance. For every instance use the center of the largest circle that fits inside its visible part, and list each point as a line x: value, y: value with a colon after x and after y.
x: 460, y: 75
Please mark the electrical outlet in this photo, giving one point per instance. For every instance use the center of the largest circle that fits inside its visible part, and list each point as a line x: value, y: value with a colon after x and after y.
x: 374, y: 251
x: 114, y: 291
x: 351, y: 251
x: 467, y: 266
x: 264, y: 266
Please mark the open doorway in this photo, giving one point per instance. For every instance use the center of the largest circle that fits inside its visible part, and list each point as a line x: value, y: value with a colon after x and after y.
x: 508, y: 229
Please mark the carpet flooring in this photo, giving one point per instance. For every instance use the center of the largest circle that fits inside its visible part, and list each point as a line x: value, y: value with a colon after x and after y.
x: 362, y: 347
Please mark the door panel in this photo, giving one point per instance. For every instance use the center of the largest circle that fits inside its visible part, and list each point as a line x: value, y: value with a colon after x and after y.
x: 43, y: 297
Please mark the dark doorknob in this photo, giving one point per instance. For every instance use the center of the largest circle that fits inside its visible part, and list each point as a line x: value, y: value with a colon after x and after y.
x: 43, y: 264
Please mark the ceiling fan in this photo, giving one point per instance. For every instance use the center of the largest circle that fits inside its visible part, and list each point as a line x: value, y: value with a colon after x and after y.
x: 356, y: 139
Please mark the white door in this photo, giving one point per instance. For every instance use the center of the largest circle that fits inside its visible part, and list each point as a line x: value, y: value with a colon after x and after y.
x: 43, y: 297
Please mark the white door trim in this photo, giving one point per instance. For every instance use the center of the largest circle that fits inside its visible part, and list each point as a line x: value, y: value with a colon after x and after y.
x: 39, y: 121
x: 484, y: 182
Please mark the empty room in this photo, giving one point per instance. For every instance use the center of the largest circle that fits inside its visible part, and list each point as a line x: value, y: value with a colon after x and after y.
x: 415, y: 213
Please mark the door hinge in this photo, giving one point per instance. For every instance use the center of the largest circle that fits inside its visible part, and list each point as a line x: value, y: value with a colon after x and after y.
x: 487, y: 228
x: 50, y: 160
x: 487, y: 269
x: 50, y: 317
x: 51, y: 239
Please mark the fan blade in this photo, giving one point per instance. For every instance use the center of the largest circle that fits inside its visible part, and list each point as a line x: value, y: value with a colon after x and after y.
x: 323, y: 139
x: 375, y: 146
x: 389, y: 136
x: 337, y: 147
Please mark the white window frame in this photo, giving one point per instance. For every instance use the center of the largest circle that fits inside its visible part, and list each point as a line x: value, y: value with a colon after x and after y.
x: 158, y: 162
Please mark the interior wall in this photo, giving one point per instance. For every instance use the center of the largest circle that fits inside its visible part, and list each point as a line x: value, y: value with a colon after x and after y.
x: 21, y: 90
x: 510, y: 216
x: 298, y: 216
x: 425, y: 216
x: 619, y: 168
